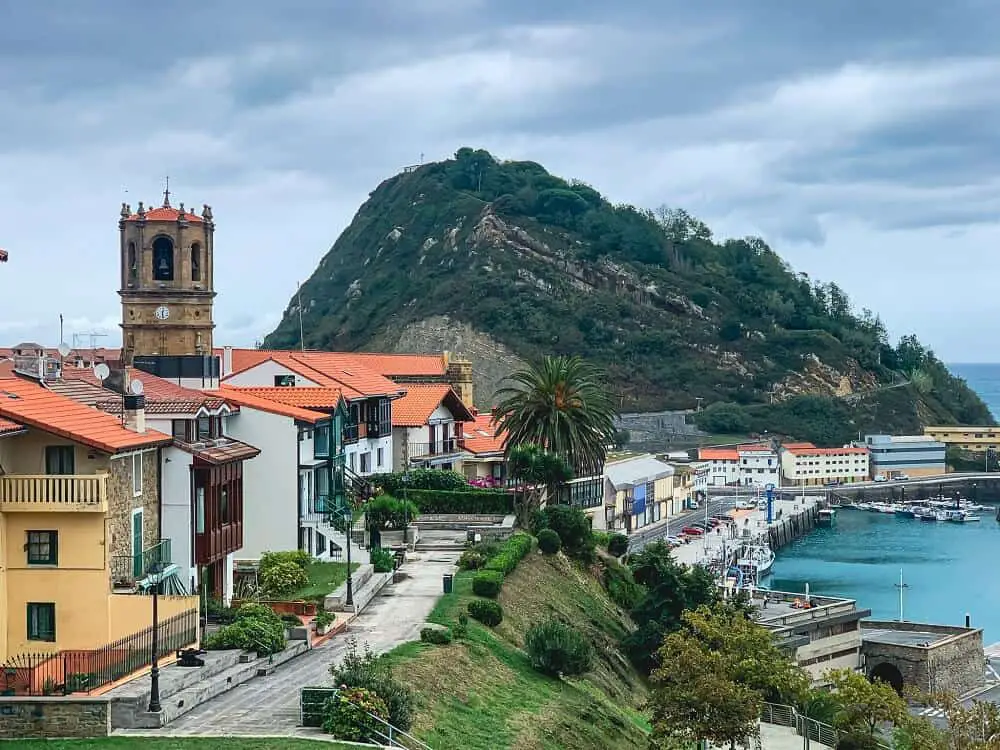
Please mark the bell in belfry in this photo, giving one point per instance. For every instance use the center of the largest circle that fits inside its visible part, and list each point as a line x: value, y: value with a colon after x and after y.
x: 163, y: 267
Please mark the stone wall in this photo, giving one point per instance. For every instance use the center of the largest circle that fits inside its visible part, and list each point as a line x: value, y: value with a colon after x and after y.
x: 658, y: 429
x: 122, y: 501
x: 22, y: 718
x: 953, y: 665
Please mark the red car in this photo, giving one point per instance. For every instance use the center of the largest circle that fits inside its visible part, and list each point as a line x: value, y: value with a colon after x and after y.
x: 692, y: 531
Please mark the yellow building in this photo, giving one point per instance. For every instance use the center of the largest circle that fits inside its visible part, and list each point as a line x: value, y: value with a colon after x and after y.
x: 79, y: 531
x: 638, y: 491
x: 966, y: 437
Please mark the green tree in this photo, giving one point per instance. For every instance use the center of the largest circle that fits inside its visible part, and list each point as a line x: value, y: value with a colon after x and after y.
x: 864, y: 705
x: 536, y: 471
x: 668, y: 589
x: 562, y: 405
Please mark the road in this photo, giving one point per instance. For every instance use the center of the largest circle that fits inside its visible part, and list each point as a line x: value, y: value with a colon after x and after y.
x: 639, y: 539
x: 954, y: 478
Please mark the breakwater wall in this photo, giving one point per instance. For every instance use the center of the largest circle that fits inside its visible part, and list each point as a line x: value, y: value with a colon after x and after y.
x: 789, y: 528
x: 980, y: 491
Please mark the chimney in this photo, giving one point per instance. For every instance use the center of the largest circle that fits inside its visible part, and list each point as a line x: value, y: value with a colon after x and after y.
x: 135, y: 412
x: 227, y: 361
x: 459, y: 376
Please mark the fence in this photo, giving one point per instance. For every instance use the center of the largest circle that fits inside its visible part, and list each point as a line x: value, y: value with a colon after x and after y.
x: 312, y: 700
x: 85, y: 670
x: 809, y: 729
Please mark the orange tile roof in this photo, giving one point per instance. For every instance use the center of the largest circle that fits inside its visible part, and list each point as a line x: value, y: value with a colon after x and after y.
x: 6, y: 368
x: 389, y: 365
x: 814, y: 451
x: 253, y: 401
x: 795, y: 446
x: 334, y: 370
x: 301, y: 396
x: 167, y: 213
x: 162, y: 396
x: 30, y: 404
x: 718, y: 454
x: 420, y: 401
x: 7, y: 427
x: 754, y: 447
x: 480, y: 436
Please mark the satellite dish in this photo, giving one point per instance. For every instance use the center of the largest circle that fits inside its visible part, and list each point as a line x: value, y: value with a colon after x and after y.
x: 101, y: 371
x: 135, y: 387
x: 64, y: 349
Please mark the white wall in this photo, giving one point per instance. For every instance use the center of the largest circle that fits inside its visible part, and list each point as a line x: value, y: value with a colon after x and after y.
x: 370, y: 445
x: 263, y: 376
x: 270, y: 482
x: 177, y: 521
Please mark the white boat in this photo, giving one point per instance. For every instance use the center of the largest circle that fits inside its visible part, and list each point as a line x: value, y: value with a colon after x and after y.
x: 757, y: 559
x: 933, y: 515
x: 961, y: 516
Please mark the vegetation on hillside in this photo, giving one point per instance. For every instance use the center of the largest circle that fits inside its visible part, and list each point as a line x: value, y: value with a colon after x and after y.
x: 548, y: 266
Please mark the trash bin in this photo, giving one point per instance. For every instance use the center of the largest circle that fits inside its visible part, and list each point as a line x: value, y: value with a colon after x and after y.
x: 448, y: 580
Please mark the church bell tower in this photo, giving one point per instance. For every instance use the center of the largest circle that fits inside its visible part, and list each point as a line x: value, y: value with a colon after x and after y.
x: 166, y: 281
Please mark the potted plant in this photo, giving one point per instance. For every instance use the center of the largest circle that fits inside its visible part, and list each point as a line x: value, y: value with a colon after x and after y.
x: 323, y: 621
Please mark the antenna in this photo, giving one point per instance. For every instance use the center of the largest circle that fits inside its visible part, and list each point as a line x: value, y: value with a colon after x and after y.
x: 166, y: 192
x: 92, y: 336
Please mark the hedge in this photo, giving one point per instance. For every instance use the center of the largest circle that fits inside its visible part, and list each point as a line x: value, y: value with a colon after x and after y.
x: 487, y: 583
x: 421, y: 479
x: 510, y: 554
x: 471, y: 502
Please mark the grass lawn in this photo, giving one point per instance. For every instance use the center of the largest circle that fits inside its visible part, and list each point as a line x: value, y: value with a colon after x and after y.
x: 481, y: 692
x: 183, y: 743
x: 324, y: 578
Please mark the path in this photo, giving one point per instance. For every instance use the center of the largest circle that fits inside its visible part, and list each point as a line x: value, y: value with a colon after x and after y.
x: 270, y: 705
x: 774, y: 737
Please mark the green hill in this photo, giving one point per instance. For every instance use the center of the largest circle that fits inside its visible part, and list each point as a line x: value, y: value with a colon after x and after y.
x: 481, y: 693
x: 502, y: 262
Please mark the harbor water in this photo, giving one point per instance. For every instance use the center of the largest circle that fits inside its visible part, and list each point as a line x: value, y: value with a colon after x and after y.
x: 949, y: 569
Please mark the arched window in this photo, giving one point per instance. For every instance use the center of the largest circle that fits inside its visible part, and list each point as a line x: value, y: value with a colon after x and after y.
x: 195, y: 262
x: 163, y: 259
x: 133, y: 266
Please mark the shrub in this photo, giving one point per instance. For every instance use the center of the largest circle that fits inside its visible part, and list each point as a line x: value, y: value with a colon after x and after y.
x: 347, y: 715
x: 256, y: 628
x: 617, y: 545
x: 472, y: 501
x: 462, y: 628
x: 282, y: 578
x: 471, y: 559
x: 621, y: 586
x: 572, y: 526
x: 386, y: 512
x: 298, y: 556
x: 602, y: 538
x: 290, y: 620
x: 487, y: 583
x: 439, y: 636
x: 487, y: 611
x: 218, y: 612
x: 557, y: 649
x: 510, y: 553
x: 368, y: 671
x: 383, y: 560
x: 858, y: 742
x: 421, y: 479
x: 324, y: 619
x: 549, y: 541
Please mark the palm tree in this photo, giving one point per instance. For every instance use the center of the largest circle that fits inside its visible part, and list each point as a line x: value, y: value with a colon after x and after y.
x: 562, y: 406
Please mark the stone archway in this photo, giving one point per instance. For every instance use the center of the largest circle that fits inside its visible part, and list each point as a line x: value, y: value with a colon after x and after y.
x: 888, y: 673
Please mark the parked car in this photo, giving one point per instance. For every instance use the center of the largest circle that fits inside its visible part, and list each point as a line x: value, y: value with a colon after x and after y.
x: 880, y: 478
x: 833, y: 483
x: 744, y: 505
x: 762, y: 505
x: 901, y: 477
x: 692, y: 531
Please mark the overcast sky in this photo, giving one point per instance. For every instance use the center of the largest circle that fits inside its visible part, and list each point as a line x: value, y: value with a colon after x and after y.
x: 858, y: 138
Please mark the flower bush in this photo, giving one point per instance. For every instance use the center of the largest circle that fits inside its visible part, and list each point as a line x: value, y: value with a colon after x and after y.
x: 348, y: 714
x: 255, y: 628
x: 282, y: 578
x: 383, y: 560
x: 366, y: 670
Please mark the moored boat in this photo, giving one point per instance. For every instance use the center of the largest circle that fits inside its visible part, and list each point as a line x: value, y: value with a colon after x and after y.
x: 826, y: 517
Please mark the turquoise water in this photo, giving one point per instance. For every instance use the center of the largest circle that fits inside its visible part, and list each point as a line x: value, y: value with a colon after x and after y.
x: 949, y: 569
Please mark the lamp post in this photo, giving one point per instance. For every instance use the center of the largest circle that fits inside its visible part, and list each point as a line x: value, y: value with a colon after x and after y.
x: 154, y: 673
x: 348, y: 527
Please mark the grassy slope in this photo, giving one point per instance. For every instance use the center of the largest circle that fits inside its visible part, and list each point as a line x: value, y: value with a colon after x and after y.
x: 482, y: 693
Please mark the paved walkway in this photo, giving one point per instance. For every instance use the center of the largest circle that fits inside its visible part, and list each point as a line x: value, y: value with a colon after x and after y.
x: 774, y: 737
x: 270, y: 705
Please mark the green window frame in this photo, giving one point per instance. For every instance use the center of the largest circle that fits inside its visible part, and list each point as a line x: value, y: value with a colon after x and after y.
x: 42, y: 621
x: 43, y: 548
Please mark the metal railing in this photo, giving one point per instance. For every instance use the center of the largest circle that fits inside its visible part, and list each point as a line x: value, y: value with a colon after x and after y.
x: 809, y: 729
x: 85, y: 670
x: 58, y: 489
x: 313, y: 699
x: 437, y: 448
x: 126, y: 570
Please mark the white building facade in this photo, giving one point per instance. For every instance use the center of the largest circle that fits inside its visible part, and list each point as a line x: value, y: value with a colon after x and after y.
x: 759, y: 466
x: 805, y: 464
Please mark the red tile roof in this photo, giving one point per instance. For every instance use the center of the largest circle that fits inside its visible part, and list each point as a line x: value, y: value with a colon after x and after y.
x: 814, y: 451
x: 7, y: 427
x: 30, y: 404
x: 301, y: 396
x: 718, y: 454
x: 389, y: 365
x: 793, y: 446
x: 334, y: 370
x: 420, y: 401
x: 754, y: 447
x: 253, y: 401
x: 166, y: 213
x: 480, y: 436
x: 162, y: 396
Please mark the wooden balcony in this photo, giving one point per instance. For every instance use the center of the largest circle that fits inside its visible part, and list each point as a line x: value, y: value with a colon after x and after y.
x: 59, y: 493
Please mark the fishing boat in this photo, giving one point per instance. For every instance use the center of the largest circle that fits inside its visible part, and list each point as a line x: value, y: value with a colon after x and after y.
x: 826, y: 517
x: 868, y: 506
x: 961, y: 516
x: 755, y: 560
x: 907, y: 511
x: 933, y: 516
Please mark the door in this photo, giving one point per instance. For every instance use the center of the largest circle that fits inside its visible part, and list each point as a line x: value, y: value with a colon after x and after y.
x: 137, y: 566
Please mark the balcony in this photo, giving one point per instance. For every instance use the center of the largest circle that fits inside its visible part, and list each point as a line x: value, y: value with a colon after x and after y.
x: 128, y: 571
x: 350, y: 434
x: 59, y: 493
x: 445, y: 447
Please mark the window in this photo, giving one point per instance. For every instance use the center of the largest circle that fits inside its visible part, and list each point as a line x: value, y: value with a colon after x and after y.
x: 59, y: 459
x: 43, y: 548
x: 136, y: 474
x: 321, y: 441
x: 41, y: 621
x: 284, y: 381
x: 224, y: 504
x: 322, y: 485
x: 204, y: 428
x: 179, y: 429
x: 351, y: 460
x: 200, y: 510
x: 366, y: 463
x: 133, y: 267
x: 378, y: 459
x: 163, y: 259
x: 195, y: 262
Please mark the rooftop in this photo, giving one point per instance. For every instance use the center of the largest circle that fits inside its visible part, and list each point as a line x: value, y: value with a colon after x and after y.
x: 718, y: 454
x: 301, y: 396
x: 389, y: 365
x: 162, y: 396
x: 916, y: 638
x: 331, y: 370
x: 421, y: 400
x: 254, y: 401
x: 28, y: 403
x: 480, y: 435
x: 633, y: 471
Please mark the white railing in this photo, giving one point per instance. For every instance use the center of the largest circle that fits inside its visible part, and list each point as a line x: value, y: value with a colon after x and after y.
x: 809, y: 729
x: 60, y: 490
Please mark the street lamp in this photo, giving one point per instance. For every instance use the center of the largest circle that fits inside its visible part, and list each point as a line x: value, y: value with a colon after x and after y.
x: 348, y: 527
x: 153, y: 575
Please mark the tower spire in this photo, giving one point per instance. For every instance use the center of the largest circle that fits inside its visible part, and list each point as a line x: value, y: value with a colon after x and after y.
x: 166, y: 193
